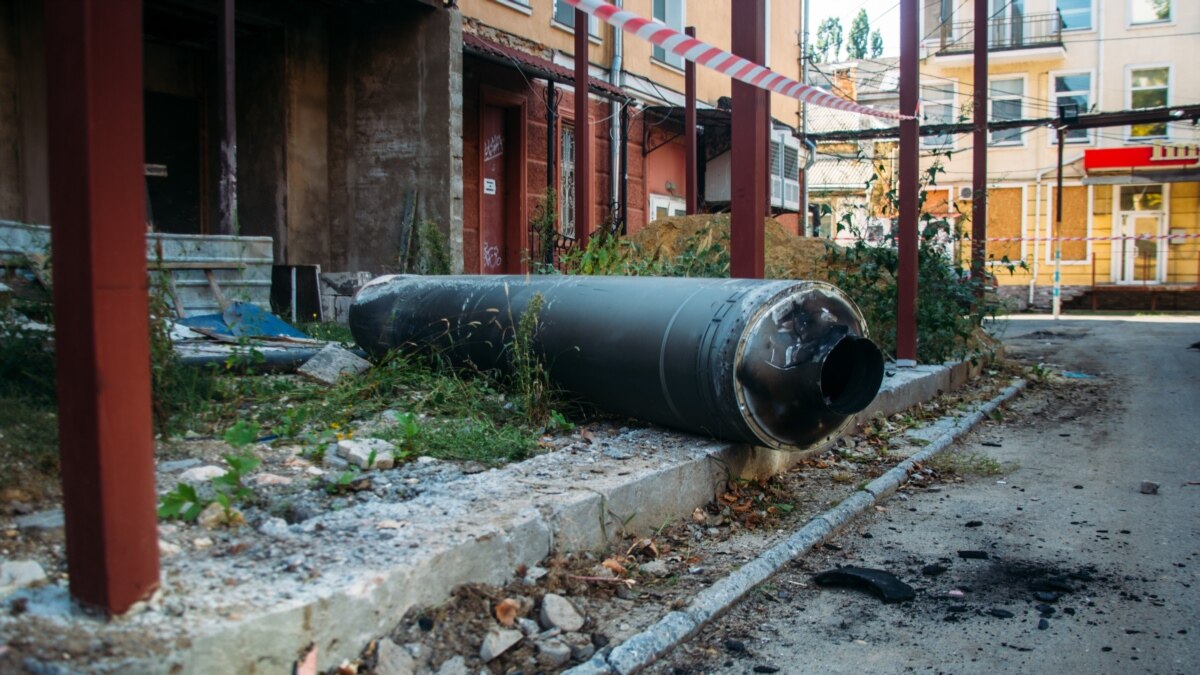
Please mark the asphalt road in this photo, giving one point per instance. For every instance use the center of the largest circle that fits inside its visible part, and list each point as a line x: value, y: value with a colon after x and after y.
x: 1065, y: 517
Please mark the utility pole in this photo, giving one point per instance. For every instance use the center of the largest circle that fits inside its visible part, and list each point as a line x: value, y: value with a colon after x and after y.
x: 979, y: 151
x: 910, y: 133
x: 751, y: 115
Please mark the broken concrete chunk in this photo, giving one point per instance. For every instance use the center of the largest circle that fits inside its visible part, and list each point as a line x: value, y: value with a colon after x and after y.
x: 358, y: 451
x: 329, y: 364
x: 201, y: 474
x: 454, y: 666
x: 883, y: 584
x: 581, y: 646
x: 42, y: 520
x: 264, y: 479
x: 498, y: 641
x: 394, y: 659
x: 558, y: 612
x: 18, y: 574
x: 655, y: 568
x: 1149, y: 487
x: 553, y: 654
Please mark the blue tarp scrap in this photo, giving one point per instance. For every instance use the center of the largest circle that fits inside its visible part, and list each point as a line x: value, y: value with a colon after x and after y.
x: 242, y: 319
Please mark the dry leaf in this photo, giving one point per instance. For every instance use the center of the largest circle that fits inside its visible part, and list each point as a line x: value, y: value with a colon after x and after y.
x: 699, y: 516
x: 586, y: 435
x: 615, y: 567
x: 643, y: 545
x: 308, y: 664
x: 506, y: 611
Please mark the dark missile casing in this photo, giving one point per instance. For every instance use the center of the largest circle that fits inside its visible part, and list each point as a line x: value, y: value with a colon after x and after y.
x: 782, y: 364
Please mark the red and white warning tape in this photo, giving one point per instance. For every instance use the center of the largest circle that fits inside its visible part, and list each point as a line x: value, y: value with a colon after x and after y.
x: 1141, y: 237
x: 720, y: 60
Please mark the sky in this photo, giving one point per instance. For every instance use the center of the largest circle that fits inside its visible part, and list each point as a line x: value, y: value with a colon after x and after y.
x: 883, y: 15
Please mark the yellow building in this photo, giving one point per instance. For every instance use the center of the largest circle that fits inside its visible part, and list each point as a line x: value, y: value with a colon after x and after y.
x: 1131, y: 181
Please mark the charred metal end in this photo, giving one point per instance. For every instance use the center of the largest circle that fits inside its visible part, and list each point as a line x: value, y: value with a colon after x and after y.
x: 783, y: 364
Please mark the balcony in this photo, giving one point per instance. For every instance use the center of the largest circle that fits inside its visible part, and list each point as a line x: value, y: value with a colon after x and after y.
x: 1042, y: 32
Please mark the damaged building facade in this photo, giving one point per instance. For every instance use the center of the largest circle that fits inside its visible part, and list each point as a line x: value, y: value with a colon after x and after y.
x: 359, y: 120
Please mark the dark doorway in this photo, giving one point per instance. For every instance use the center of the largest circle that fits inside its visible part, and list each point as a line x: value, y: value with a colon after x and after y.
x: 173, y: 163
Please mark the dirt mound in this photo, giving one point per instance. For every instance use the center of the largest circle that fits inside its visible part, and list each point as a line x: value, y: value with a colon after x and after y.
x: 787, y: 256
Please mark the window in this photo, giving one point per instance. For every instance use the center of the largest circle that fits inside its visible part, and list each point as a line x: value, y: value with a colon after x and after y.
x: 1149, y: 11
x: 669, y: 12
x: 566, y: 181
x: 938, y: 105
x: 662, y: 206
x: 1148, y: 89
x: 1005, y: 98
x: 564, y: 15
x: 521, y: 6
x: 1141, y: 198
x: 1076, y: 14
x: 1073, y: 88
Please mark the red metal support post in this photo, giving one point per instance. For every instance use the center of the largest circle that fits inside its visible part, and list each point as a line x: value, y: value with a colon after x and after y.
x: 689, y: 131
x: 583, y: 133
x: 909, y: 187
x: 979, y: 150
x: 97, y: 188
x: 227, y: 121
x: 751, y: 116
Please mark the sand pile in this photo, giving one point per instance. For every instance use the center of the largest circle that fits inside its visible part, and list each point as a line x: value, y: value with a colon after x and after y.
x: 787, y: 256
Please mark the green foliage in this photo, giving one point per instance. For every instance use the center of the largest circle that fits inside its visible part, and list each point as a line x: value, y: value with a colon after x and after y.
x: 329, y: 331
x: 952, y: 305
x: 242, y: 433
x: 860, y: 29
x: 28, y: 442
x: 541, y: 227
x: 558, y: 422
x: 430, y: 250
x: 177, y: 390
x: 876, y: 44
x: 829, y: 39
x: 704, y: 253
x: 183, y: 503
x: 409, y: 429
x: 529, y: 378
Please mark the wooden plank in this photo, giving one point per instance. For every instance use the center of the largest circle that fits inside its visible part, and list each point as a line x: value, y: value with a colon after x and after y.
x: 216, y: 289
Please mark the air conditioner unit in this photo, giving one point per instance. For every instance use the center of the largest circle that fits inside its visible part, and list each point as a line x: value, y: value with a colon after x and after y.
x: 965, y: 193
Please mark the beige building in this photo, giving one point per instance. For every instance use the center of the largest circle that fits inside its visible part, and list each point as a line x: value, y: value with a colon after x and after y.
x: 1103, y: 55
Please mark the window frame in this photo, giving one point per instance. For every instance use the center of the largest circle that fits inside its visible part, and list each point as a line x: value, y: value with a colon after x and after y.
x: 667, y: 56
x: 1019, y: 98
x: 952, y: 101
x: 1170, y: 86
x: 1090, y: 137
x: 1092, y: 18
x: 593, y: 23
x: 522, y: 6
x: 1170, y: 21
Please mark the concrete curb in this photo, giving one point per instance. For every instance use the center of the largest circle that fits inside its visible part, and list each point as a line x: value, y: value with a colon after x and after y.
x: 640, y: 650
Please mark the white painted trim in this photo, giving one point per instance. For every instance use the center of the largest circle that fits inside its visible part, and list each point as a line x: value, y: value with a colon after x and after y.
x: 1129, y: 68
x: 1081, y: 31
x: 1093, y: 87
x: 1164, y: 226
x: 955, y: 106
x: 1130, y: 25
x: 516, y: 5
x: 676, y: 206
x: 593, y: 25
x: 682, y: 23
x: 1021, y: 98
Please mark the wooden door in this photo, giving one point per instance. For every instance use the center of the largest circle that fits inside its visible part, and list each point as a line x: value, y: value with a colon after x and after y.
x: 495, y: 256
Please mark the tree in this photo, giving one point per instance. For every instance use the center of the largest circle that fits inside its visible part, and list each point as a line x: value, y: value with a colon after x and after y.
x: 829, y: 39
x: 876, y: 44
x: 860, y: 30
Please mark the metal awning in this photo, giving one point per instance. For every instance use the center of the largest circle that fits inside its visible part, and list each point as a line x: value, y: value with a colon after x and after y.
x: 534, y: 66
x: 1143, y: 177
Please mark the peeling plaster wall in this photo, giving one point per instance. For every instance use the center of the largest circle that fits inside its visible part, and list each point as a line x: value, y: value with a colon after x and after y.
x: 396, y: 107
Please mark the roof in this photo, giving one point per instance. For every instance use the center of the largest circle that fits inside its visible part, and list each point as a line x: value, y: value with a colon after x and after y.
x: 821, y: 120
x: 533, y: 65
x: 839, y: 174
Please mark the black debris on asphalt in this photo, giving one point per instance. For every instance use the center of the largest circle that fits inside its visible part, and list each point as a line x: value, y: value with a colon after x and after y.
x: 883, y: 584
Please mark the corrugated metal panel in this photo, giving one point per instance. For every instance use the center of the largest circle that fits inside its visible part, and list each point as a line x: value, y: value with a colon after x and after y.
x: 241, y: 266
